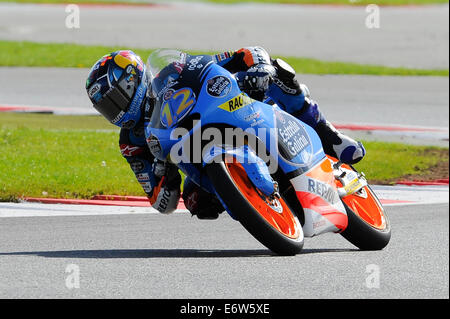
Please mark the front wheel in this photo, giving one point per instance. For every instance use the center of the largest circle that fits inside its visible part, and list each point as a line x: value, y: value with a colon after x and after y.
x: 270, y: 221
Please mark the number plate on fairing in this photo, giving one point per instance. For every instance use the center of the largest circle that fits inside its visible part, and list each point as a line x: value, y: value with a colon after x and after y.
x: 176, y: 105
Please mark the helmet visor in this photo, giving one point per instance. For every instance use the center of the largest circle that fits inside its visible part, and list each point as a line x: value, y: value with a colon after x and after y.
x: 113, y: 105
x: 116, y: 100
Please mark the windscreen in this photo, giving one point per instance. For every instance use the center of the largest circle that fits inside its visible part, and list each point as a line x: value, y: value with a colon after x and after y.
x: 164, y: 67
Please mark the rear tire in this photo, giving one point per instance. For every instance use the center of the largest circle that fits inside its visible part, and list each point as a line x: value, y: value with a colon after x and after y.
x: 225, y: 180
x: 364, y: 235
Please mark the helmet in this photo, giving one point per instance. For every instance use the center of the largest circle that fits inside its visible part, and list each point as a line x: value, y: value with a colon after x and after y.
x: 117, y: 86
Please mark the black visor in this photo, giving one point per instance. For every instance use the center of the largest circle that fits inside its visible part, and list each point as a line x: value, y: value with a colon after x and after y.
x: 116, y: 100
x: 113, y: 105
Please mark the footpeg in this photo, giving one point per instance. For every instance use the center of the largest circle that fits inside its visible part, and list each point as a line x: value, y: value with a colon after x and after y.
x: 352, y: 182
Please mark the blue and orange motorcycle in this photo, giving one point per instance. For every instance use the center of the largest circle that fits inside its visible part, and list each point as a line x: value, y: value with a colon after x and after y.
x: 267, y: 168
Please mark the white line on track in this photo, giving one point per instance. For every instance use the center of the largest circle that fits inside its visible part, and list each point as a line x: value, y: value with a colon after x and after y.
x: 413, y: 195
x: 56, y: 210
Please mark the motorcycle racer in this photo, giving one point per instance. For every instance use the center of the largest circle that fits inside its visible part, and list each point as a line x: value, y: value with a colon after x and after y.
x: 118, y: 87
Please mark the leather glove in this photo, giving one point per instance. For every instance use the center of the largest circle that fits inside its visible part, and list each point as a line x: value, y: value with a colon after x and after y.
x: 257, y: 78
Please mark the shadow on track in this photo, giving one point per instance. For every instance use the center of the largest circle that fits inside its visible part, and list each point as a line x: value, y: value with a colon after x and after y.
x: 163, y: 253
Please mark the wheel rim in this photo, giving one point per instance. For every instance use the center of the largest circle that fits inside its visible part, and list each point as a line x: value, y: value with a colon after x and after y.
x: 365, y: 204
x: 368, y: 208
x: 277, y: 214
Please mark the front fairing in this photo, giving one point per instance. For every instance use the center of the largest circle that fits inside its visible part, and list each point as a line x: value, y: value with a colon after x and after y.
x: 176, y: 89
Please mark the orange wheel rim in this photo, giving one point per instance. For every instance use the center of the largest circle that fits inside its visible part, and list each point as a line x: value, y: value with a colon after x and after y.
x: 278, y: 214
x: 365, y: 205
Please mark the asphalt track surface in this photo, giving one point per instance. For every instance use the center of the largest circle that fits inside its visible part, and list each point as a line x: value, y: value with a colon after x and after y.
x: 176, y: 256
x: 408, y: 36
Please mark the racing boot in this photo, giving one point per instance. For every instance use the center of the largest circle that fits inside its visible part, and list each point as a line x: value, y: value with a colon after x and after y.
x: 199, y: 202
x: 338, y: 145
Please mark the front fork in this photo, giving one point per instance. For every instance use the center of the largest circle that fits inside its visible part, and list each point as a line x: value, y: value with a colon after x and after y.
x: 256, y: 169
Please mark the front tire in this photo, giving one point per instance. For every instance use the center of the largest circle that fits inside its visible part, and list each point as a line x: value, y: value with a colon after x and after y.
x: 273, y: 225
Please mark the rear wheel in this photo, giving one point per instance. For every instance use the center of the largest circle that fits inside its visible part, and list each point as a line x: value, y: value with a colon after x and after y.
x: 269, y: 220
x: 368, y: 225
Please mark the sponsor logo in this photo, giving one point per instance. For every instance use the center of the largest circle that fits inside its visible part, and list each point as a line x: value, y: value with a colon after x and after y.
x: 130, y: 70
x: 154, y: 144
x: 192, y: 201
x: 194, y: 63
x: 94, y: 89
x: 291, y: 135
x: 178, y: 66
x: 258, y: 122
x: 137, y: 166
x: 118, y: 117
x: 168, y: 87
x: 218, y: 86
x: 124, y: 58
x: 320, y: 223
x: 284, y: 87
x: 168, y: 94
x: 146, y: 186
x: 293, y: 138
x: 236, y: 103
x: 135, y: 106
x: 326, y: 191
x: 164, y: 200
x: 128, y: 150
x: 143, y: 177
x: 252, y: 117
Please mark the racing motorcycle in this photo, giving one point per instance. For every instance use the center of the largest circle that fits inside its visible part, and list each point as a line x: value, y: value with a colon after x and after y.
x: 272, y: 175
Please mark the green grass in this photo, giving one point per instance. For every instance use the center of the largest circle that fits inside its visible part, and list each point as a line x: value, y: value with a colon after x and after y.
x: 35, y: 121
x: 81, y: 56
x: 70, y: 157
x: 313, y: 66
x: 78, y: 157
x: 54, y: 54
x: 318, y: 2
x: 386, y: 163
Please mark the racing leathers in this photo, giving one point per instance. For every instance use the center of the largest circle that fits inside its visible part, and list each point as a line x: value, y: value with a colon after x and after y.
x: 261, y: 77
x: 160, y: 181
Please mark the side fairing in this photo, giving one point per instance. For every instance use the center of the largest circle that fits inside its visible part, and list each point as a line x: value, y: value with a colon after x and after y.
x: 317, y: 193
